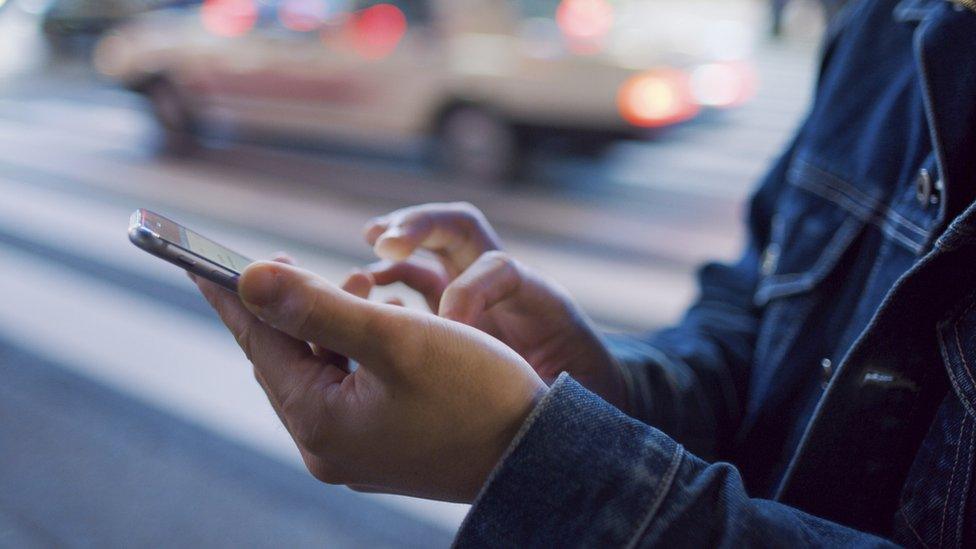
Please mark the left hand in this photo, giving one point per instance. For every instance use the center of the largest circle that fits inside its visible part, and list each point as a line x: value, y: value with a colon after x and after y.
x: 428, y: 412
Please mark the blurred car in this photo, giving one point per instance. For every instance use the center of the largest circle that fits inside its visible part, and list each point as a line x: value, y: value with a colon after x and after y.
x: 487, y: 79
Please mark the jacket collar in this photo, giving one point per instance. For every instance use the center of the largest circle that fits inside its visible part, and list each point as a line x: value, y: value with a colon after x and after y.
x: 914, y: 11
x: 944, y: 42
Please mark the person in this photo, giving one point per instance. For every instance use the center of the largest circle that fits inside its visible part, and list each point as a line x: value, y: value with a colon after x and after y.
x: 819, y: 392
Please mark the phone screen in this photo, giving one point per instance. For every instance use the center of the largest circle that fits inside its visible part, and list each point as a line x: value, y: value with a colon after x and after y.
x: 194, y: 243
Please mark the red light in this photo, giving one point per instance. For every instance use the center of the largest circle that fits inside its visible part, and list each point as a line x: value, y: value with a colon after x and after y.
x: 229, y: 18
x: 375, y: 32
x: 655, y: 99
x: 585, y: 22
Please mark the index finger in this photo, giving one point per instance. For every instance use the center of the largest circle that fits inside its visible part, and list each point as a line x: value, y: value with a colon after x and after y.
x: 457, y: 232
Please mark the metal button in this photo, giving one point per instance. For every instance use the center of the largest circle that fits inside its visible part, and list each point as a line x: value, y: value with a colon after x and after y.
x: 827, y: 367
x: 925, y: 189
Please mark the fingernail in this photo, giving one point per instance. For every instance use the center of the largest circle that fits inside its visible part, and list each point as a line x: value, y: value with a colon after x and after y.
x: 261, y: 286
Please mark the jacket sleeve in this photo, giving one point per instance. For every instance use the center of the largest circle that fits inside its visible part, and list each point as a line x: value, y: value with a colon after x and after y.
x: 688, y: 380
x: 581, y: 473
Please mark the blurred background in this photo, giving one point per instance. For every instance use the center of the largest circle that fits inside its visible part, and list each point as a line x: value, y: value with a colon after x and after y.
x: 611, y: 142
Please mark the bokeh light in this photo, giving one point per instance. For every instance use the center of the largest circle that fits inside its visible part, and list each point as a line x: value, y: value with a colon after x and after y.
x: 657, y: 98
x: 723, y: 84
x: 375, y: 32
x: 229, y: 18
x: 303, y: 15
x: 585, y: 23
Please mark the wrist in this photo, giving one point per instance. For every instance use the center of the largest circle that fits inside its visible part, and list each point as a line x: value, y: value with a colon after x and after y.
x: 493, y: 452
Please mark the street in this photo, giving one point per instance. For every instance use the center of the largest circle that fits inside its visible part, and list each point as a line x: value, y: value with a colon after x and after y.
x: 128, y: 414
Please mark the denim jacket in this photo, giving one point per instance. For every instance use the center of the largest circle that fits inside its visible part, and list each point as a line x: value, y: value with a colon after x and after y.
x: 822, y: 389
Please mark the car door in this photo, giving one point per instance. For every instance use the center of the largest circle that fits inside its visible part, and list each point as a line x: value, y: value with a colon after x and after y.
x: 275, y: 77
x: 368, y: 72
x: 387, y: 67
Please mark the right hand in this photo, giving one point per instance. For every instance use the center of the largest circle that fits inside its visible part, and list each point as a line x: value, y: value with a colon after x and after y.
x: 471, y: 280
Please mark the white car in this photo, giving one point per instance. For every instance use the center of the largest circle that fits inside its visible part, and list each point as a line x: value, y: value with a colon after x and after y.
x: 485, y: 78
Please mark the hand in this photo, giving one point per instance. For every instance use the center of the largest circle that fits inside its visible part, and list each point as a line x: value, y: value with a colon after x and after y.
x: 428, y: 412
x: 451, y: 255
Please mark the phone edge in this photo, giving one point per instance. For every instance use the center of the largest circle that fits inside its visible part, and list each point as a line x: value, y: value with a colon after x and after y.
x: 150, y: 242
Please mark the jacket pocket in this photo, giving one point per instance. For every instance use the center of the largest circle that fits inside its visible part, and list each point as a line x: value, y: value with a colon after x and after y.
x: 809, y: 236
x: 934, y: 508
x: 811, y: 231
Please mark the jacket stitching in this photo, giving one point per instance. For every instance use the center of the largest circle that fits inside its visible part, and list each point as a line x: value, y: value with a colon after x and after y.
x: 665, y: 487
x: 969, y: 474
x: 952, y: 479
x: 781, y: 285
x: 950, y: 372
x: 908, y: 523
x: 830, y: 180
x: 890, y: 214
x: 962, y: 358
x: 870, y: 216
x: 868, y: 202
x: 835, y: 248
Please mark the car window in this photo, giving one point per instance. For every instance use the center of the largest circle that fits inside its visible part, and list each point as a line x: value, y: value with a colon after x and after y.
x: 537, y: 8
x: 415, y: 11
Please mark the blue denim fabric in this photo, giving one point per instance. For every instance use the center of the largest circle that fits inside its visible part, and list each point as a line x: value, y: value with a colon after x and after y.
x: 830, y: 374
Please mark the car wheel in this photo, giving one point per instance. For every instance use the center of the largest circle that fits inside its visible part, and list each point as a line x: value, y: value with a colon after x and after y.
x: 478, y: 144
x: 173, y: 115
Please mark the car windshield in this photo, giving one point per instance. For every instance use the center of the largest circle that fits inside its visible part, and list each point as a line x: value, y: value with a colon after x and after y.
x: 537, y: 8
x: 415, y: 11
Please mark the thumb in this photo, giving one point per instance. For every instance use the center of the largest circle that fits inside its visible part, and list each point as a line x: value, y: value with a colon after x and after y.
x: 306, y: 307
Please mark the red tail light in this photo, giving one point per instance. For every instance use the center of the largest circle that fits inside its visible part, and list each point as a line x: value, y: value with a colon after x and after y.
x: 657, y: 98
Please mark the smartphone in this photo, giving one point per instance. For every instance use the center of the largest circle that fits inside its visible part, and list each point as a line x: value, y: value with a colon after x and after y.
x: 184, y: 248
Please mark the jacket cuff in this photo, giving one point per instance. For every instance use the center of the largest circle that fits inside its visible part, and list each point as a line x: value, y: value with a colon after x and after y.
x: 580, y: 470
x: 643, y: 367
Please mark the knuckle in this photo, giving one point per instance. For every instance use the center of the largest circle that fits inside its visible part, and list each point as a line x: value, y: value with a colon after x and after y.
x: 500, y: 259
x: 466, y: 208
x: 469, y: 213
x: 461, y: 292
